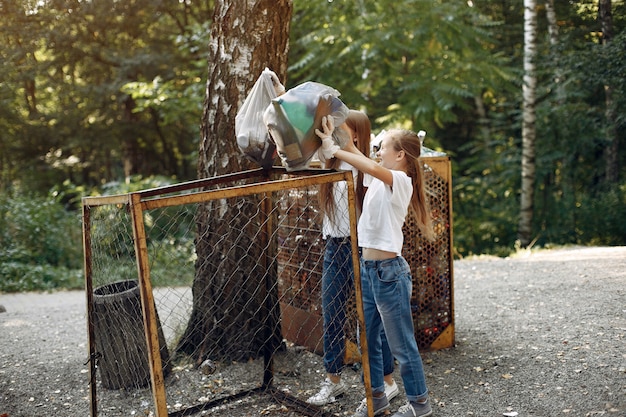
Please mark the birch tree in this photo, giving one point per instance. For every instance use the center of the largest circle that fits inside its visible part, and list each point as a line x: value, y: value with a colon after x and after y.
x: 529, y: 133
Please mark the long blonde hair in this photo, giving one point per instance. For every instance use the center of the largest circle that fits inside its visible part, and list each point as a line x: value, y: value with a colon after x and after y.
x: 419, y: 207
x: 360, y: 124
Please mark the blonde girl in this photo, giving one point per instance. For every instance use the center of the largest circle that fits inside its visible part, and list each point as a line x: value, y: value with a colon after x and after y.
x: 397, y: 189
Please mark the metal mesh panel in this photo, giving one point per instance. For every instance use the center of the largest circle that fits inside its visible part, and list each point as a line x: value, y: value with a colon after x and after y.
x: 220, y: 279
x: 431, y: 268
x: 431, y: 263
x: 226, y: 264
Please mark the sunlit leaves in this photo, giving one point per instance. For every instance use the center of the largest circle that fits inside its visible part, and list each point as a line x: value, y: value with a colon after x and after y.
x: 419, y: 59
x: 71, y: 73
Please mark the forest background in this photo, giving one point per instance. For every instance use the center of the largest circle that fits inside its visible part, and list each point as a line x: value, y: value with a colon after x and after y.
x: 107, y: 97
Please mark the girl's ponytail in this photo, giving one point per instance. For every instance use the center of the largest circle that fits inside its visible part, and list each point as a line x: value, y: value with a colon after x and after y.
x: 419, y: 207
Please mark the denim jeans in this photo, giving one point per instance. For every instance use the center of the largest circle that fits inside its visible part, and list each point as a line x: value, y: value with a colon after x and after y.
x: 337, y: 285
x: 386, y: 287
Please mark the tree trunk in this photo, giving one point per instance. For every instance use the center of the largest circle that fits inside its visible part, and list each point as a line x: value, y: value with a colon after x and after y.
x: 228, y: 294
x: 130, y: 147
x: 553, y: 31
x: 529, y: 133
x: 612, y: 138
x: 482, y: 121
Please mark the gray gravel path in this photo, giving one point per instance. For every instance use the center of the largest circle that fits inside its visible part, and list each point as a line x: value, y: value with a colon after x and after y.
x: 539, y: 334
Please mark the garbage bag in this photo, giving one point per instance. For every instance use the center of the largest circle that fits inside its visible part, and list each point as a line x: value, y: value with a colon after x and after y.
x: 292, y: 118
x: 252, y: 136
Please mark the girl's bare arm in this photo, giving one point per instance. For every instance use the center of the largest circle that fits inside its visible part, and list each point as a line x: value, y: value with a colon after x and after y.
x: 351, y: 154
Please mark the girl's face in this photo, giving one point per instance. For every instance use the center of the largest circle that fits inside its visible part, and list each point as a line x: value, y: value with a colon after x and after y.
x: 389, y: 157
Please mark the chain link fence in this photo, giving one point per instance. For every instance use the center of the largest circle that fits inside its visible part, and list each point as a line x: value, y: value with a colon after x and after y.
x: 201, y: 295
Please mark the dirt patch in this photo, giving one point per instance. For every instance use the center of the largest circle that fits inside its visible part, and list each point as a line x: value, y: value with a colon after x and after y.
x: 539, y: 334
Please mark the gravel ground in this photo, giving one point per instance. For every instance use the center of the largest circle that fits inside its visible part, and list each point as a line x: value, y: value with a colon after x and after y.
x: 539, y: 334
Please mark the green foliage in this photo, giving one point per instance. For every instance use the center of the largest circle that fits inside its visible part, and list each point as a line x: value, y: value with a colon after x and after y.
x: 108, y: 99
x: 601, y: 217
x: 19, y: 277
x: 75, y: 106
x: 413, y: 63
x: 132, y: 184
x: 39, y: 231
x: 485, y: 197
x: 169, y: 236
x: 41, y: 239
x: 570, y: 147
x: 40, y: 245
x: 167, y: 255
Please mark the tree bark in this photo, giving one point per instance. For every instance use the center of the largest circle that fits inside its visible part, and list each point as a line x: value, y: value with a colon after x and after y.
x: 553, y: 31
x: 612, y: 138
x: 228, y: 294
x: 529, y: 133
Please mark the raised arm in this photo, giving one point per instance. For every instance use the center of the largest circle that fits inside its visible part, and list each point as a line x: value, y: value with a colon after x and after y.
x: 351, y: 154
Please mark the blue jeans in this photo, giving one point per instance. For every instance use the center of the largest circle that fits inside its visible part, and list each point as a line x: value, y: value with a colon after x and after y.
x: 337, y: 285
x: 386, y: 287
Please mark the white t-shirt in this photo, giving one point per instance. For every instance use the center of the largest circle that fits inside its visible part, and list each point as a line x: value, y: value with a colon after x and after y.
x: 384, y: 212
x: 339, y: 226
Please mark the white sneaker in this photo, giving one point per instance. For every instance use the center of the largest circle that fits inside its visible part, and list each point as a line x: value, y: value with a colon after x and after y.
x: 391, y: 391
x: 328, y: 393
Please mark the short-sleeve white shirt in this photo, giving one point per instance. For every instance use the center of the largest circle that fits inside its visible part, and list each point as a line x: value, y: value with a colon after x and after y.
x: 339, y: 226
x: 384, y: 212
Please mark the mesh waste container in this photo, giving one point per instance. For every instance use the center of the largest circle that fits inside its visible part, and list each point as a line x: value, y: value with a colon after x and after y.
x: 300, y: 270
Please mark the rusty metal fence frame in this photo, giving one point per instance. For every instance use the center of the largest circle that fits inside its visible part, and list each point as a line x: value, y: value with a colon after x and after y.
x: 200, y: 191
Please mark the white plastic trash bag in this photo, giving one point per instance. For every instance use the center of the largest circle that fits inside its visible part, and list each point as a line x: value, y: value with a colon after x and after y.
x: 252, y: 136
x: 292, y: 118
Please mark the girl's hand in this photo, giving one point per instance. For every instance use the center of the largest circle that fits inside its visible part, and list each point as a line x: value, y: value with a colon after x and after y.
x: 328, y: 127
x: 329, y: 147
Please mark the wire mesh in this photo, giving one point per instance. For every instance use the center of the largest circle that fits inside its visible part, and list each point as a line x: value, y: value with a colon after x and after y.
x: 223, y: 261
x: 232, y: 267
x: 431, y: 263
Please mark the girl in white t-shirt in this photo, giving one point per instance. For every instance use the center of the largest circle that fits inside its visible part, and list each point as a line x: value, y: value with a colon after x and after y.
x: 397, y: 189
x: 337, y: 273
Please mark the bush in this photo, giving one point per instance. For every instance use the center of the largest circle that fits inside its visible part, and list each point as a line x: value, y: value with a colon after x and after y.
x: 40, y: 231
x: 18, y: 277
x: 602, y: 217
x: 40, y: 244
x: 41, y: 239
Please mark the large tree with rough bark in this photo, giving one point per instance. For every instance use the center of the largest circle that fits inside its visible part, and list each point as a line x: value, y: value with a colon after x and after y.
x: 246, y: 37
